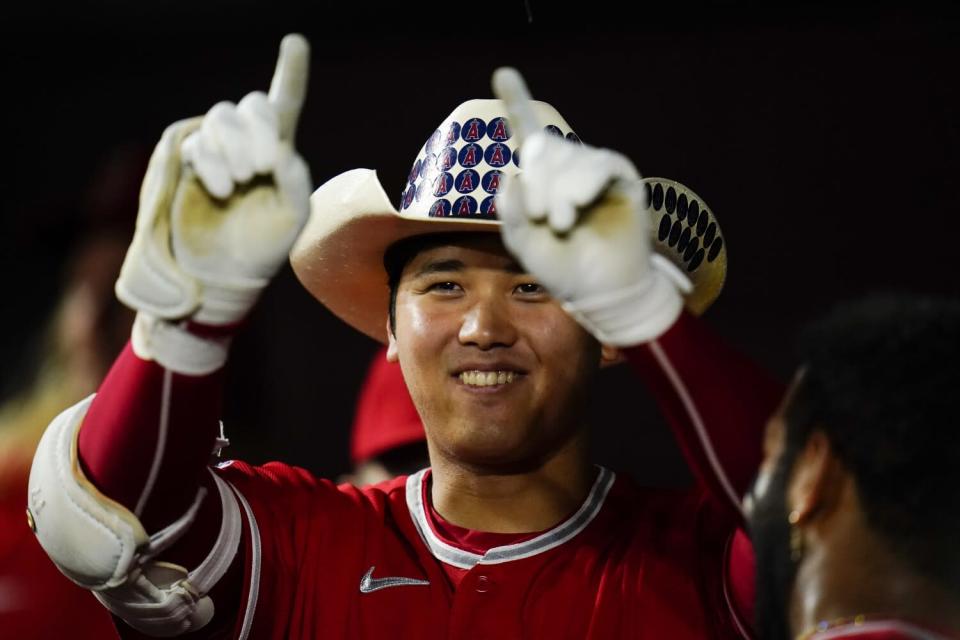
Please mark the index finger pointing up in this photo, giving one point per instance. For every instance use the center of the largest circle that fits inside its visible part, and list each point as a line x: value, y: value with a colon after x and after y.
x: 289, y: 85
x: 508, y: 85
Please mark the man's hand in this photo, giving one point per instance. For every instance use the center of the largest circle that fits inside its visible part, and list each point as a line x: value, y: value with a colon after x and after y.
x: 224, y: 198
x: 575, y: 219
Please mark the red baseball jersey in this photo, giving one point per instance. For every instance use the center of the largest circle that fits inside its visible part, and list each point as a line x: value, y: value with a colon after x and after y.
x: 321, y: 561
x: 326, y: 561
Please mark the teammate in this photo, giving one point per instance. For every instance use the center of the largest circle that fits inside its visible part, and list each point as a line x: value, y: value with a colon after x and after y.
x: 512, y: 532
x: 386, y: 439
x: 855, y: 513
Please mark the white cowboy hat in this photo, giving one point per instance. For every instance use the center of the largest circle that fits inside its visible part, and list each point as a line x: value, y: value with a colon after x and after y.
x: 339, y: 255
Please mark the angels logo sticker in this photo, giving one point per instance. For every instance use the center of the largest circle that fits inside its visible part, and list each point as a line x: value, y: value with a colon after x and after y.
x: 442, y: 185
x: 491, y: 181
x: 497, y: 154
x: 446, y: 159
x: 427, y: 163
x: 439, y: 209
x: 408, y: 196
x: 463, y: 207
x: 432, y: 142
x: 414, y: 172
x: 467, y: 181
x: 453, y: 132
x: 470, y: 155
x: 473, y: 129
x: 489, y: 207
x: 497, y: 130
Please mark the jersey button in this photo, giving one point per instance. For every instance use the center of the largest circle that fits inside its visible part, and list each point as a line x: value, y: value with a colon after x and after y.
x: 483, y: 584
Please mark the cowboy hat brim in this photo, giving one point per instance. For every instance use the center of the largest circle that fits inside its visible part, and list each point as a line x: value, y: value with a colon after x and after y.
x: 339, y: 254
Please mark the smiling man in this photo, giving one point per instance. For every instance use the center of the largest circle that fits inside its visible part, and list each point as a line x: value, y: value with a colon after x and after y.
x: 486, y: 354
x: 499, y: 327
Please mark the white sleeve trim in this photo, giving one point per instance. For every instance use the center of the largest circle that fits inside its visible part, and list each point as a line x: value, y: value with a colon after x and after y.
x: 224, y: 550
x: 255, y: 560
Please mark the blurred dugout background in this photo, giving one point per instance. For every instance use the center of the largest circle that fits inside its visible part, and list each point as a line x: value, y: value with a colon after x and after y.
x: 824, y: 136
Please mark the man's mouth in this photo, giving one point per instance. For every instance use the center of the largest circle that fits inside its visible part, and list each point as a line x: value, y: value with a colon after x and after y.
x: 475, y: 378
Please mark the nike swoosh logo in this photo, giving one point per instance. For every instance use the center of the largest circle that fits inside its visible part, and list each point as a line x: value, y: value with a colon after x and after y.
x: 369, y: 584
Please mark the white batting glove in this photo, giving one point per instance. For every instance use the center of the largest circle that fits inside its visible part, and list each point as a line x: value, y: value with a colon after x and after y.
x: 574, y: 217
x: 224, y: 198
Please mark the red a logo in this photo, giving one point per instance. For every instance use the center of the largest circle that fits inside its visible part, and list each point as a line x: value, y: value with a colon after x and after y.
x: 496, y: 159
x: 472, y: 133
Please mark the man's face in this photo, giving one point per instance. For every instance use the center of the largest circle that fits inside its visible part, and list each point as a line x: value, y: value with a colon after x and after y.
x: 766, y: 511
x: 498, y: 371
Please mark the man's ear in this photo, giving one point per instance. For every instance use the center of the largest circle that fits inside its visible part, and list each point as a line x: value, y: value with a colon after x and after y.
x: 610, y: 356
x: 391, y: 345
x: 816, y: 482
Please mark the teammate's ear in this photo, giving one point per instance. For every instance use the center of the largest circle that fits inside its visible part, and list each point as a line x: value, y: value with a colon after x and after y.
x: 609, y: 355
x: 391, y: 345
x: 817, y: 480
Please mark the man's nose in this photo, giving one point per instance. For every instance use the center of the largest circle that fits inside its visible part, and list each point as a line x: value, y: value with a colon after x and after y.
x: 487, y: 324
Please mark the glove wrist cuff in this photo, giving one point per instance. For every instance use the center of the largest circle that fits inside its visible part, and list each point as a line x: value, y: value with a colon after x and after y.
x: 174, y: 347
x: 635, y: 314
x: 227, y: 303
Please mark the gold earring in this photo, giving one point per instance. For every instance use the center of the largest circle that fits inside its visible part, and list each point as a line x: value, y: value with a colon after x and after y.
x: 796, y: 537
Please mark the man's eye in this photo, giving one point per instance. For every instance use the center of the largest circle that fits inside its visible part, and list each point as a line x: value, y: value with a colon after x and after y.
x: 444, y: 286
x: 530, y: 288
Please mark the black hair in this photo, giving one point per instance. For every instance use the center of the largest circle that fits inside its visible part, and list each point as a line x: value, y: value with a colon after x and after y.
x: 401, y: 252
x: 880, y: 378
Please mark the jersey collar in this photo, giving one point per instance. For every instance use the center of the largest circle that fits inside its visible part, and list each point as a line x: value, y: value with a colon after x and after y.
x: 544, y: 542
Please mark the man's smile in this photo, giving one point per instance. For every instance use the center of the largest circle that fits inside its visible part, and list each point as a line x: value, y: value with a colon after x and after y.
x: 488, y: 375
x: 476, y: 378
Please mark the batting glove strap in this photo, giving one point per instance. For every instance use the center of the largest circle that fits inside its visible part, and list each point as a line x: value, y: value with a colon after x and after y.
x: 163, y: 599
x: 635, y: 314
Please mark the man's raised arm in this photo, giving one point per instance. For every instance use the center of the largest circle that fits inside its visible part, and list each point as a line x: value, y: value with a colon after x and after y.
x: 575, y: 218
x: 119, y: 479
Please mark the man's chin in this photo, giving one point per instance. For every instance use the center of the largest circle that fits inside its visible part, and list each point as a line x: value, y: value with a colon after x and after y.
x: 494, y: 456
x: 494, y: 443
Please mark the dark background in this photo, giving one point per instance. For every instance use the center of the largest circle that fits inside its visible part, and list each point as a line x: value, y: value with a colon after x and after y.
x: 824, y: 136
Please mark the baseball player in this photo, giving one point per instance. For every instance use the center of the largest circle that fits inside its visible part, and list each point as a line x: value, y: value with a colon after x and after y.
x: 499, y: 327
x: 855, y: 514
x: 386, y: 438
